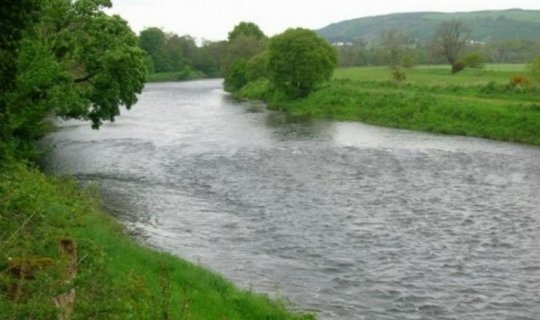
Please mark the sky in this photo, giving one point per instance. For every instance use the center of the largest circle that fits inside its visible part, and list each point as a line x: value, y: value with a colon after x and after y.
x: 213, y: 19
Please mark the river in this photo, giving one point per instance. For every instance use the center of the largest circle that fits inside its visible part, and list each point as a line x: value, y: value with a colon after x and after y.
x: 351, y: 220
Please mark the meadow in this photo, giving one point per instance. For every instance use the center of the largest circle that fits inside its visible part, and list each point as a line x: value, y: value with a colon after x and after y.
x: 497, y: 102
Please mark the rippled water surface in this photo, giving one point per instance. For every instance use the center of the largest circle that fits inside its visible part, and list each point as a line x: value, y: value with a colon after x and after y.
x: 354, y: 221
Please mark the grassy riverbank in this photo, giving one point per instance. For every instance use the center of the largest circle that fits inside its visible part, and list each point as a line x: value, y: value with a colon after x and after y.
x: 480, y: 103
x: 55, y: 238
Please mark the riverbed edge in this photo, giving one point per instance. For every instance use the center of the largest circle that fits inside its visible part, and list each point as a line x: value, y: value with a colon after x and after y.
x: 114, y: 276
x: 493, y: 112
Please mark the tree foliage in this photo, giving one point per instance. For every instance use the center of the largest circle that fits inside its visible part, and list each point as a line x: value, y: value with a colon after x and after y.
x: 245, y: 42
x: 247, y: 29
x: 153, y: 41
x: 396, y: 48
x: 76, y: 62
x: 299, y: 61
x: 242, y: 48
x: 449, y: 40
x: 15, y: 17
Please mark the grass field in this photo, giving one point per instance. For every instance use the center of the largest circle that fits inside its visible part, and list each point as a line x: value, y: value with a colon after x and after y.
x: 480, y: 103
x: 111, y: 276
x: 437, y: 74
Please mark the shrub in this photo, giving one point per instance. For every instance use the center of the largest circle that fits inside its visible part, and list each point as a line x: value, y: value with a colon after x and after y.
x: 519, y: 80
x: 457, y: 67
x: 398, y: 74
x: 474, y: 60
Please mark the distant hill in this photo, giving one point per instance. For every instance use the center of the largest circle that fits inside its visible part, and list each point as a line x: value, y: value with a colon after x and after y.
x: 486, y: 25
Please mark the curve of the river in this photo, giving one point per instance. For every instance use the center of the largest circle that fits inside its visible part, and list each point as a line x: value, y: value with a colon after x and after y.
x: 354, y: 221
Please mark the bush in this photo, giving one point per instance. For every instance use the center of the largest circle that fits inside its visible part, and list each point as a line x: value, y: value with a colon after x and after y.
x: 474, y: 60
x: 457, y: 67
x: 259, y: 90
x: 519, y: 80
x: 398, y: 74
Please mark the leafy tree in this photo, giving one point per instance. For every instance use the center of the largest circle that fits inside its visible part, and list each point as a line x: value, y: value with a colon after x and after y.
x: 154, y: 42
x: 449, y: 40
x: 353, y: 54
x: 211, y: 57
x: 248, y: 29
x: 242, y: 47
x: 76, y: 62
x: 257, y: 67
x: 15, y: 17
x: 236, y: 77
x: 395, y: 48
x: 245, y: 42
x: 299, y: 61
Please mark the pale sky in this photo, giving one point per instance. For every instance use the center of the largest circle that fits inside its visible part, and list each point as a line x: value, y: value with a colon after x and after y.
x: 213, y: 19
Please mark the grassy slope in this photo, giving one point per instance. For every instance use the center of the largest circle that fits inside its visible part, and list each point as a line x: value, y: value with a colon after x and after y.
x: 117, y: 278
x: 472, y: 103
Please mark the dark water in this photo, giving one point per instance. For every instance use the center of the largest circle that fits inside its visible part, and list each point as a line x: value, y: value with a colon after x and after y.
x: 354, y: 221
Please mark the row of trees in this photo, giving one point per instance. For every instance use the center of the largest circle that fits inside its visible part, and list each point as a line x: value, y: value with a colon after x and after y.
x: 65, y: 58
x: 450, y: 44
x: 169, y: 52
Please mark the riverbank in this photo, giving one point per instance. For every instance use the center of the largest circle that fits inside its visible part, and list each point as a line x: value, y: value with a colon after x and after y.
x: 57, y: 244
x: 480, y: 103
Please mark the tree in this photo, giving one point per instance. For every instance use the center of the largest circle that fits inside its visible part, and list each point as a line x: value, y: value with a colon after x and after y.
x: 353, y: 54
x: 154, y: 42
x: 395, y: 48
x: 299, y: 61
x: 211, y: 57
x: 237, y: 76
x: 15, y: 17
x: 76, y: 62
x: 448, y: 42
x: 245, y: 42
x: 248, y: 29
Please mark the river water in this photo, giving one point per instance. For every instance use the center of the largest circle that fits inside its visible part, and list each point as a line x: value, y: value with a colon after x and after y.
x: 350, y: 220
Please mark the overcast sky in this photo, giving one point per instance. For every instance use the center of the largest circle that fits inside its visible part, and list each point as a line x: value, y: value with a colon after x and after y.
x: 213, y: 19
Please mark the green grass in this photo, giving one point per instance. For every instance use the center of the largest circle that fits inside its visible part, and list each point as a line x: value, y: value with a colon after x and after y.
x: 438, y: 74
x: 478, y: 103
x: 116, y: 278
